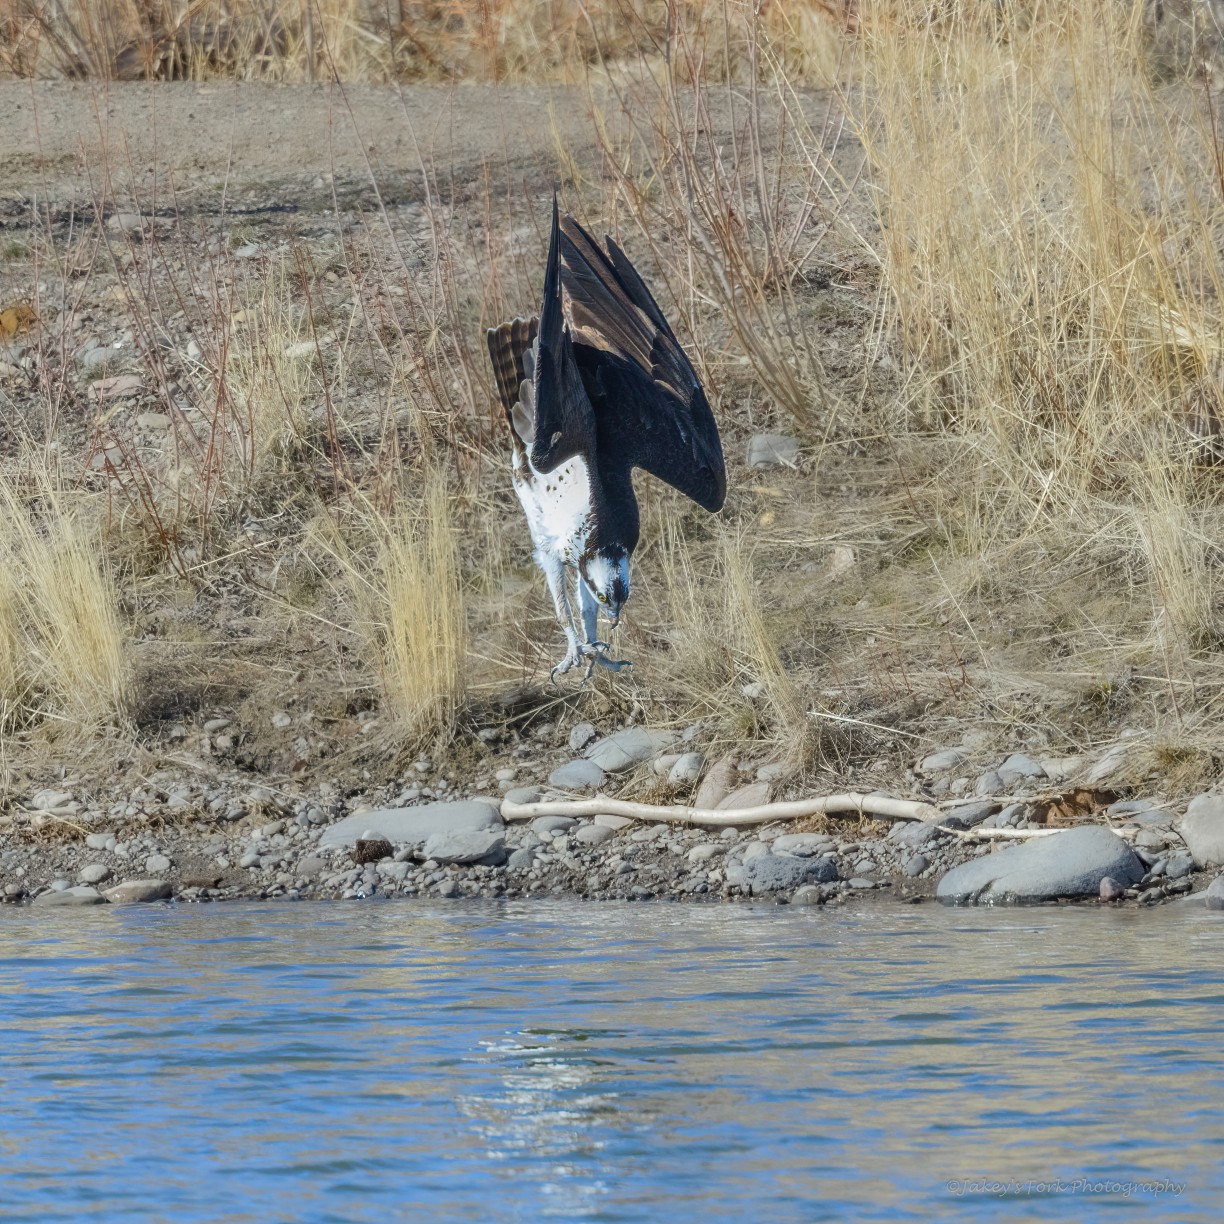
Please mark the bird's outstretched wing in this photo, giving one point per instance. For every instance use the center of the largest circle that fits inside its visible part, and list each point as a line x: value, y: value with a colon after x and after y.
x: 649, y: 407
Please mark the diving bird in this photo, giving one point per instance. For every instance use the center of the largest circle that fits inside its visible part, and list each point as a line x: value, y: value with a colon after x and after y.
x: 593, y: 387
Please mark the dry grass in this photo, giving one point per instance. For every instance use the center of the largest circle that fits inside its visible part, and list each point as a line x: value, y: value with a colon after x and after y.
x: 371, y: 41
x: 1050, y: 223
x: 1011, y: 462
x: 62, y: 643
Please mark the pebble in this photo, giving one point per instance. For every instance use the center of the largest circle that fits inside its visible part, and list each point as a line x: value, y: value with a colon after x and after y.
x: 704, y: 852
x: 156, y: 864
x: 94, y: 873
x: 552, y: 824
x: 686, y: 769
x: 281, y: 720
x: 1213, y: 898
x: 916, y: 864
x: 98, y: 841
x: 581, y: 734
x: 1111, y: 890
x: 594, y: 834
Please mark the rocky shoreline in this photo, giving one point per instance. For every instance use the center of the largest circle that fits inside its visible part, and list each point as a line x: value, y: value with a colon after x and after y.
x: 173, y: 837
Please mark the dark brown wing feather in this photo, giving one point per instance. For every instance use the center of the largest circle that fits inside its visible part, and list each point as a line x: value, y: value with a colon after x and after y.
x: 649, y: 405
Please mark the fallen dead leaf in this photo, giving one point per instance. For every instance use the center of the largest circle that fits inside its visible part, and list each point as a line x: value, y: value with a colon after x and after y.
x: 16, y: 319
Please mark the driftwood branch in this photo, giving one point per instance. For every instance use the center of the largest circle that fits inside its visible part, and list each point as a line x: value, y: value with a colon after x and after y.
x: 831, y: 805
x: 980, y: 835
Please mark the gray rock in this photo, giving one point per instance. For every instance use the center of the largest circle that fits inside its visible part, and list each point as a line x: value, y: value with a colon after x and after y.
x: 628, y: 748
x: 1213, y: 898
x: 155, y: 864
x: 988, y: 784
x: 775, y: 771
x: 577, y: 775
x: 580, y: 736
x: 971, y: 813
x: 311, y: 865
x: 81, y: 895
x: 939, y: 762
x: 809, y: 894
x: 916, y: 865
x: 1202, y: 829
x: 413, y: 826
x: 1018, y: 767
x: 784, y: 873
x: 616, y: 823
x: 552, y: 824
x: 772, y: 450
x: 484, y: 846
x: 95, y: 873
x: 1157, y: 818
x: 523, y: 794
x: 1111, y: 890
x: 1068, y: 864
x: 97, y: 841
x: 521, y: 860
x: 1179, y: 865
x: 132, y: 892
x: 1110, y: 764
x: 1151, y: 839
x: 686, y: 769
x: 594, y: 835
x: 913, y: 834
x: 705, y: 852
x: 801, y: 844
x: 753, y: 795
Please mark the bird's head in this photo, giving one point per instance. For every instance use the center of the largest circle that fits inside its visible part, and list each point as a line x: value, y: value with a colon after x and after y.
x: 606, y: 573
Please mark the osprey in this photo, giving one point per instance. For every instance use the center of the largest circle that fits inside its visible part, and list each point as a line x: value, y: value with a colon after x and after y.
x: 593, y: 387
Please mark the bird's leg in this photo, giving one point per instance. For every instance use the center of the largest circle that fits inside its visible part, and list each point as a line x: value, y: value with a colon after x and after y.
x: 596, y: 651
x: 554, y: 575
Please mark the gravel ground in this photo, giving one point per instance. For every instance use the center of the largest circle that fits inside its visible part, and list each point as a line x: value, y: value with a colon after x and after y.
x: 220, y: 838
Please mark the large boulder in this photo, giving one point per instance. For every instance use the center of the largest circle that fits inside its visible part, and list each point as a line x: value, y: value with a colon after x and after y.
x: 1202, y: 829
x: 1070, y: 864
x: 415, y: 825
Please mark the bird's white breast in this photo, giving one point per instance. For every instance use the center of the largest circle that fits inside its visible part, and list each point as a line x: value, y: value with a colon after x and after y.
x: 557, y: 505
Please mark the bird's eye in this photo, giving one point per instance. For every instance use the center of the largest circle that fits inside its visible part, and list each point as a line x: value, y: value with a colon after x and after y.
x: 601, y: 597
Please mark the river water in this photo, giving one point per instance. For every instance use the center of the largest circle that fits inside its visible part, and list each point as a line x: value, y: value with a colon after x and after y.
x: 570, y: 1061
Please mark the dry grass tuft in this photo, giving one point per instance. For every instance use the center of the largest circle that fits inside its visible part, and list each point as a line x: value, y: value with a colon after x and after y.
x: 411, y: 611
x: 62, y: 654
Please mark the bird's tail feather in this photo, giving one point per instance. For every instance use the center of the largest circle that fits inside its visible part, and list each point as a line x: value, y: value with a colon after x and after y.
x: 510, y: 351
